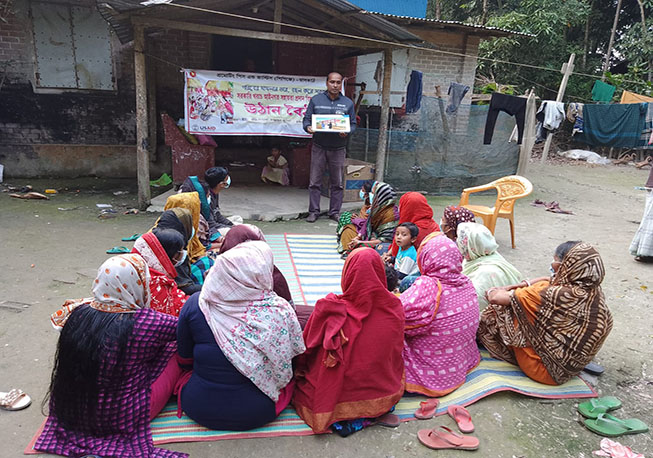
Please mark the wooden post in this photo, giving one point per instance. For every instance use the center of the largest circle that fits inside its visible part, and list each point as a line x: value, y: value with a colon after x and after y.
x: 142, y: 154
x: 278, y: 8
x: 385, y: 115
x: 151, y: 108
x: 566, y: 71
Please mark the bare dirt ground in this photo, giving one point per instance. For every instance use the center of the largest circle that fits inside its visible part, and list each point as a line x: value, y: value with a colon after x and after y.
x: 49, y: 255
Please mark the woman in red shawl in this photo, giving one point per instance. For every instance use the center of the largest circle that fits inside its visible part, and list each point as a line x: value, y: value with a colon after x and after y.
x: 414, y: 208
x: 158, y: 249
x: 353, y: 366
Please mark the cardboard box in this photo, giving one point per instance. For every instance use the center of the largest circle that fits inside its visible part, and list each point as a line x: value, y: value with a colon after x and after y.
x: 355, y: 174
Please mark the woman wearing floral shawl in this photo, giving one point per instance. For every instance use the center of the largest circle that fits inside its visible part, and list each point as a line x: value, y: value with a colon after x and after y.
x: 239, y: 338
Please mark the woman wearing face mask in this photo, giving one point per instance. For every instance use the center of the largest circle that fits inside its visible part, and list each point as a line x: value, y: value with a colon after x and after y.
x: 376, y: 223
x: 550, y: 327
x: 163, y: 250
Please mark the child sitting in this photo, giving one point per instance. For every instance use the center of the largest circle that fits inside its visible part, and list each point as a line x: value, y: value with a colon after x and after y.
x: 406, y: 261
x: 276, y: 170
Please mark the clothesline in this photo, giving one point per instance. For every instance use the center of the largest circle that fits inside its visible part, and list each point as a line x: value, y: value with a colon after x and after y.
x: 376, y: 40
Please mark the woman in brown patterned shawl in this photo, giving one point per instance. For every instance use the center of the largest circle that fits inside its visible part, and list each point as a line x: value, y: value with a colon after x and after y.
x: 551, y: 328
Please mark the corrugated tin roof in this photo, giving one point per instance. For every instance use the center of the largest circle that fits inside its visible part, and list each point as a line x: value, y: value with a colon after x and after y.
x: 454, y: 24
x: 413, y: 8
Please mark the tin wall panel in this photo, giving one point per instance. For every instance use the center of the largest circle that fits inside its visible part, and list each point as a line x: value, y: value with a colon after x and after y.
x: 92, y: 47
x: 55, y: 60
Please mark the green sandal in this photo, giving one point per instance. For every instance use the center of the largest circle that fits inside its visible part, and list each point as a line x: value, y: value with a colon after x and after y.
x: 118, y: 250
x: 594, y: 407
x: 131, y: 239
x: 607, y: 425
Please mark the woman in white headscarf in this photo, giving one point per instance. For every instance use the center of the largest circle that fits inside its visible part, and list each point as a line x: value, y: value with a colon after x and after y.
x: 483, y: 264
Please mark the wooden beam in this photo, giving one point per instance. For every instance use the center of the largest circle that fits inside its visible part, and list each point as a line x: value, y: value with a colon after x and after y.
x: 142, y: 154
x: 278, y: 15
x: 382, y: 143
x: 151, y: 107
x: 244, y: 33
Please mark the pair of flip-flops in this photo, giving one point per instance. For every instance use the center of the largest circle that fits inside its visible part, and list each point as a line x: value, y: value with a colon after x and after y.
x: 15, y: 399
x: 444, y: 437
x: 599, y: 421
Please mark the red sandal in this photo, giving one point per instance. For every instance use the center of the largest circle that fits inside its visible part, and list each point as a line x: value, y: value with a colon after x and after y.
x: 462, y: 417
x: 446, y: 439
x: 427, y: 409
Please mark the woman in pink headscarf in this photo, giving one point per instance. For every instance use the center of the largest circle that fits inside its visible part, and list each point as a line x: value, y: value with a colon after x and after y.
x: 442, y: 317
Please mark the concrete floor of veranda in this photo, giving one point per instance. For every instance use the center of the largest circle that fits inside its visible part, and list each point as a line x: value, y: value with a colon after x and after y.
x: 49, y: 255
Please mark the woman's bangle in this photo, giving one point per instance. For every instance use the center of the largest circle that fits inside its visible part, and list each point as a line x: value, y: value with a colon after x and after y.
x: 527, y: 282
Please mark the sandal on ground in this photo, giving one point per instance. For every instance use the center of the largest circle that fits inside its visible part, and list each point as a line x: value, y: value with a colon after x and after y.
x: 14, y: 400
x: 446, y: 439
x: 594, y: 369
x: 644, y: 163
x: 118, y: 250
x: 462, y: 417
x: 389, y: 420
x: 607, y: 425
x: 427, y: 409
x: 131, y: 238
x: 594, y: 407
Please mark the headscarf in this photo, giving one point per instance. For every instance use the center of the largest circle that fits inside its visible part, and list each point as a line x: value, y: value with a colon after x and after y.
x: 382, y: 220
x: 205, y: 209
x: 245, y: 232
x: 191, y: 202
x: 180, y: 219
x: 573, y: 320
x: 440, y: 265
x: 121, y: 286
x: 257, y: 331
x: 353, y: 365
x: 149, y: 247
x: 483, y: 265
x: 454, y: 215
x: 414, y: 208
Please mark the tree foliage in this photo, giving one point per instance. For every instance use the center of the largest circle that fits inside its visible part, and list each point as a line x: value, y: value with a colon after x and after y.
x: 559, y: 28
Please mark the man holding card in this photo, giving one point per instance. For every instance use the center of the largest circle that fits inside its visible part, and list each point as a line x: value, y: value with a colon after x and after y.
x: 329, y: 143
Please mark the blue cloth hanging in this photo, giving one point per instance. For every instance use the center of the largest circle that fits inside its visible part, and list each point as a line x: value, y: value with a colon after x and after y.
x: 414, y: 92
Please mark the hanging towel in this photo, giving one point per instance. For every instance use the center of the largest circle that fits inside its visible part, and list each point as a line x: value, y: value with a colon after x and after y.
x: 602, y: 92
x: 619, y: 125
x: 631, y: 97
x: 414, y: 92
x: 456, y: 93
x: 514, y: 106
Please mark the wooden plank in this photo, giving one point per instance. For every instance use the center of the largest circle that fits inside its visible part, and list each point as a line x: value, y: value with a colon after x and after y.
x: 566, y: 71
x: 151, y: 107
x: 382, y: 143
x: 271, y: 36
x: 278, y: 14
x: 142, y: 154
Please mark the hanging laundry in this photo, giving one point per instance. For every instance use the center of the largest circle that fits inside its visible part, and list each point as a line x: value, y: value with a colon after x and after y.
x: 549, y: 117
x: 602, y: 92
x: 614, y: 125
x: 514, y: 106
x: 647, y: 133
x: 632, y: 97
x: 414, y: 92
x: 575, y: 115
x: 378, y: 73
x: 456, y: 93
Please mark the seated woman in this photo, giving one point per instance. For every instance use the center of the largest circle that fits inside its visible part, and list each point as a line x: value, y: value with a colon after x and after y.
x: 550, y: 328
x: 200, y: 263
x: 378, y: 227
x: 452, y: 217
x: 352, y: 368
x: 483, y: 264
x: 239, y: 337
x: 276, y: 170
x: 160, y: 249
x: 441, y: 320
x: 180, y: 220
x: 111, y: 350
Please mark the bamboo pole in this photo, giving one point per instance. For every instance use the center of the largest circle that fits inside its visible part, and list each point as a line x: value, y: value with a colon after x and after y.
x: 385, y: 115
x: 142, y: 154
x: 566, y: 71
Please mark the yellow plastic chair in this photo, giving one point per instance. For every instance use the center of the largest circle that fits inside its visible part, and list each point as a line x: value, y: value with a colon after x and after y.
x: 509, y: 189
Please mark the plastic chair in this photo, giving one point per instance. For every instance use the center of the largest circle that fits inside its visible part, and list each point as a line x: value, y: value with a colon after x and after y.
x: 509, y: 189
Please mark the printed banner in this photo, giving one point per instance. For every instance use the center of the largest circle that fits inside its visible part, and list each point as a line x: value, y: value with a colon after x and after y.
x: 238, y: 103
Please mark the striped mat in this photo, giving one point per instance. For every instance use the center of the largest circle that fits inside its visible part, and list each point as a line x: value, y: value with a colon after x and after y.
x: 312, y: 268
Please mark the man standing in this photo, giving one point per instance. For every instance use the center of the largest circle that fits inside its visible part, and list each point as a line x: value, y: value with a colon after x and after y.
x: 328, y: 147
